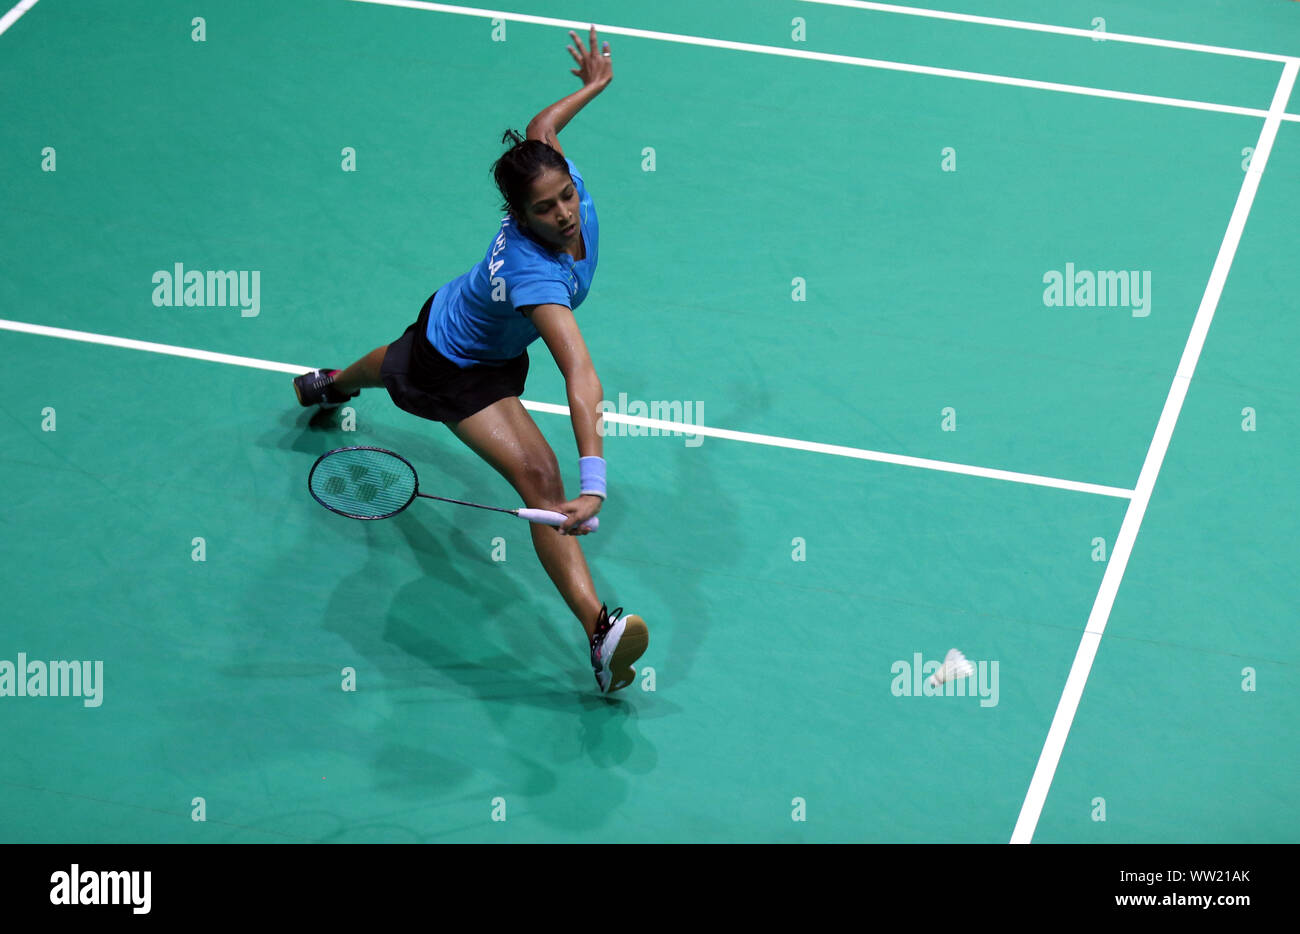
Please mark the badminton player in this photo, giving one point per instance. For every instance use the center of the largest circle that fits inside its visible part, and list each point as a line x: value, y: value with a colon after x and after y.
x: 464, y: 360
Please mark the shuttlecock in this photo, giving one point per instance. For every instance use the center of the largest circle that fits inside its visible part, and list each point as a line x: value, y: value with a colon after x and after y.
x: 955, y: 666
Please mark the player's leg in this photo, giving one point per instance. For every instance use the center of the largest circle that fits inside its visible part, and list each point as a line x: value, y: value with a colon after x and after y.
x: 364, y: 374
x: 505, y: 436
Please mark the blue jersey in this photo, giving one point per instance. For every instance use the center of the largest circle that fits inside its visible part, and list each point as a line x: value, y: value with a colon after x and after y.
x: 476, y: 319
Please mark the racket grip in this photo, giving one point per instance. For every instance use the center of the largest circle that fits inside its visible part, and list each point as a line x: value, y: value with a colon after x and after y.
x: 557, y: 519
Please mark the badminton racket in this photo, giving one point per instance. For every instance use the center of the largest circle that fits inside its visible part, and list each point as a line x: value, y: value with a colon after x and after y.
x: 373, y: 483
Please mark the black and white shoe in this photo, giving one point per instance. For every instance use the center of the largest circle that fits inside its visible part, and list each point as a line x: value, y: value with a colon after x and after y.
x: 618, y: 641
x: 317, y: 388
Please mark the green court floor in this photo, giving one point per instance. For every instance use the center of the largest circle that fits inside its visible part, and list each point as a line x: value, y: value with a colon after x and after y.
x: 825, y: 252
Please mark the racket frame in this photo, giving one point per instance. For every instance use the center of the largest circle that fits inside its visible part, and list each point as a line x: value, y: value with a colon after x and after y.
x: 364, y: 447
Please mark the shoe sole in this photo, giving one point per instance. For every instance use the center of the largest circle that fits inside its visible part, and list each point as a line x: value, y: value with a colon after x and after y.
x: 636, y: 637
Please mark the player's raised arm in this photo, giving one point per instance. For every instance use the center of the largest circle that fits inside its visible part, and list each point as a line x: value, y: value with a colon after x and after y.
x: 596, y: 71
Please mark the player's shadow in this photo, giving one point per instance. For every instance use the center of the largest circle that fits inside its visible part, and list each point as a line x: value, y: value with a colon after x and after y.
x: 515, y: 646
x: 497, y: 632
x: 317, y: 431
x: 486, y: 631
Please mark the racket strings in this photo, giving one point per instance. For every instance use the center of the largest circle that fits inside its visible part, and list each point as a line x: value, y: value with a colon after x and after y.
x: 363, y: 483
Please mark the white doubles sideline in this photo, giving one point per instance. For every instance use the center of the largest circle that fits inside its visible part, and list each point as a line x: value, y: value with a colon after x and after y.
x: 1056, y: 30
x: 826, y: 57
x: 548, y: 407
x: 1041, y: 782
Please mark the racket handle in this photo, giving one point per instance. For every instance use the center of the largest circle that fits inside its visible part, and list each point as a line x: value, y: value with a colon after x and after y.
x: 557, y: 519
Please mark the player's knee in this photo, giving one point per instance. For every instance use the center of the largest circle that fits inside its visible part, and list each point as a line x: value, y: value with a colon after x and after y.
x: 541, y: 483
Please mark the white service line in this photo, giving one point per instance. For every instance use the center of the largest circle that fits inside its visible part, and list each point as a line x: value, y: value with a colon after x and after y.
x: 12, y: 16
x: 684, y: 427
x: 842, y: 451
x: 1050, y: 757
x: 1058, y: 30
x: 828, y: 57
x: 130, y: 344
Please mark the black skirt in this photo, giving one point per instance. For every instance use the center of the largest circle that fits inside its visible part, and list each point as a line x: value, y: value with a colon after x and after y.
x: 425, y: 383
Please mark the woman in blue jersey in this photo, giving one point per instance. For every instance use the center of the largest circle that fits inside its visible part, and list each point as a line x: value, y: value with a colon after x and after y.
x: 464, y: 361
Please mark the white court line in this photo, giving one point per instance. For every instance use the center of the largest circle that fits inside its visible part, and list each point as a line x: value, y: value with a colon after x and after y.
x: 684, y: 427
x: 841, y: 451
x: 12, y: 16
x: 130, y: 344
x: 1058, y: 30
x: 828, y: 57
x: 1087, y: 652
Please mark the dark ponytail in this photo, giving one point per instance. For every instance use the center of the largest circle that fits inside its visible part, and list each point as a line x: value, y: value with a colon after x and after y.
x: 520, y: 166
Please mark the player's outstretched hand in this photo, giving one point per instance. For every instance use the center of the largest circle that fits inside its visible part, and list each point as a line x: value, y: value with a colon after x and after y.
x: 593, y: 67
x: 579, y: 511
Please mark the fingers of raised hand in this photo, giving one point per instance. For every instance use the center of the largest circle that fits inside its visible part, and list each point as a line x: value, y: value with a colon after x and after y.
x: 577, y: 44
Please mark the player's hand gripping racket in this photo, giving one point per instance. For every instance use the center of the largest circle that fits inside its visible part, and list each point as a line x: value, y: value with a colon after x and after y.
x: 372, y: 483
